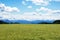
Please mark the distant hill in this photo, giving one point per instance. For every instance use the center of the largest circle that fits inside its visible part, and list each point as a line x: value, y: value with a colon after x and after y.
x: 2, y: 22
x: 56, y: 22
x: 43, y: 21
x: 29, y: 22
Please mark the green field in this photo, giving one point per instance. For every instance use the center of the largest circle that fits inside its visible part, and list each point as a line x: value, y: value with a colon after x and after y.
x: 30, y: 32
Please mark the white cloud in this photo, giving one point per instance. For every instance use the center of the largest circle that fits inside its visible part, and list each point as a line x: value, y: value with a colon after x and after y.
x: 52, y: 15
x: 32, y: 16
x: 40, y: 14
x: 11, y: 9
x: 23, y: 2
x: 5, y: 8
x: 47, y: 11
x: 29, y: 6
x: 37, y: 16
x: 49, y: 15
x: 5, y: 11
x: 44, y: 11
x: 40, y: 2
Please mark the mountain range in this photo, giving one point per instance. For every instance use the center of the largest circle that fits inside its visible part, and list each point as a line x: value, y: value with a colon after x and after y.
x: 26, y: 21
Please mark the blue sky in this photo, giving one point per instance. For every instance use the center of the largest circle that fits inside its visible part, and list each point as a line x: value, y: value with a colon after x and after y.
x: 30, y: 9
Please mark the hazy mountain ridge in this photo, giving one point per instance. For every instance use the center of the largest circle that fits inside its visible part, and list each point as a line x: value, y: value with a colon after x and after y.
x: 27, y: 22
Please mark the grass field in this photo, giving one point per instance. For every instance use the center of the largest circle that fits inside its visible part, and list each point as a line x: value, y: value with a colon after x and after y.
x: 30, y: 32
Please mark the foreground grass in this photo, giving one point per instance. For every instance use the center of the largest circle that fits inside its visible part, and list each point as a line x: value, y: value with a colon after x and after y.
x: 30, y: 32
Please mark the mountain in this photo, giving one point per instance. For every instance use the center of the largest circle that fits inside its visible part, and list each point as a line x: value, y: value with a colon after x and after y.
x: 17, y: 21
x: 28, y: 22
x: 23, y: 21
x: 42, y: 21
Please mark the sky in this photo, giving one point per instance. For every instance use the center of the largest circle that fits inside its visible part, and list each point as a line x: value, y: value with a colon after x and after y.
x: 30, y: 9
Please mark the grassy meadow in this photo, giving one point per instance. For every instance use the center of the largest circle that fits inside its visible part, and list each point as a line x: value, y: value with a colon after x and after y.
x: 29, y: 31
